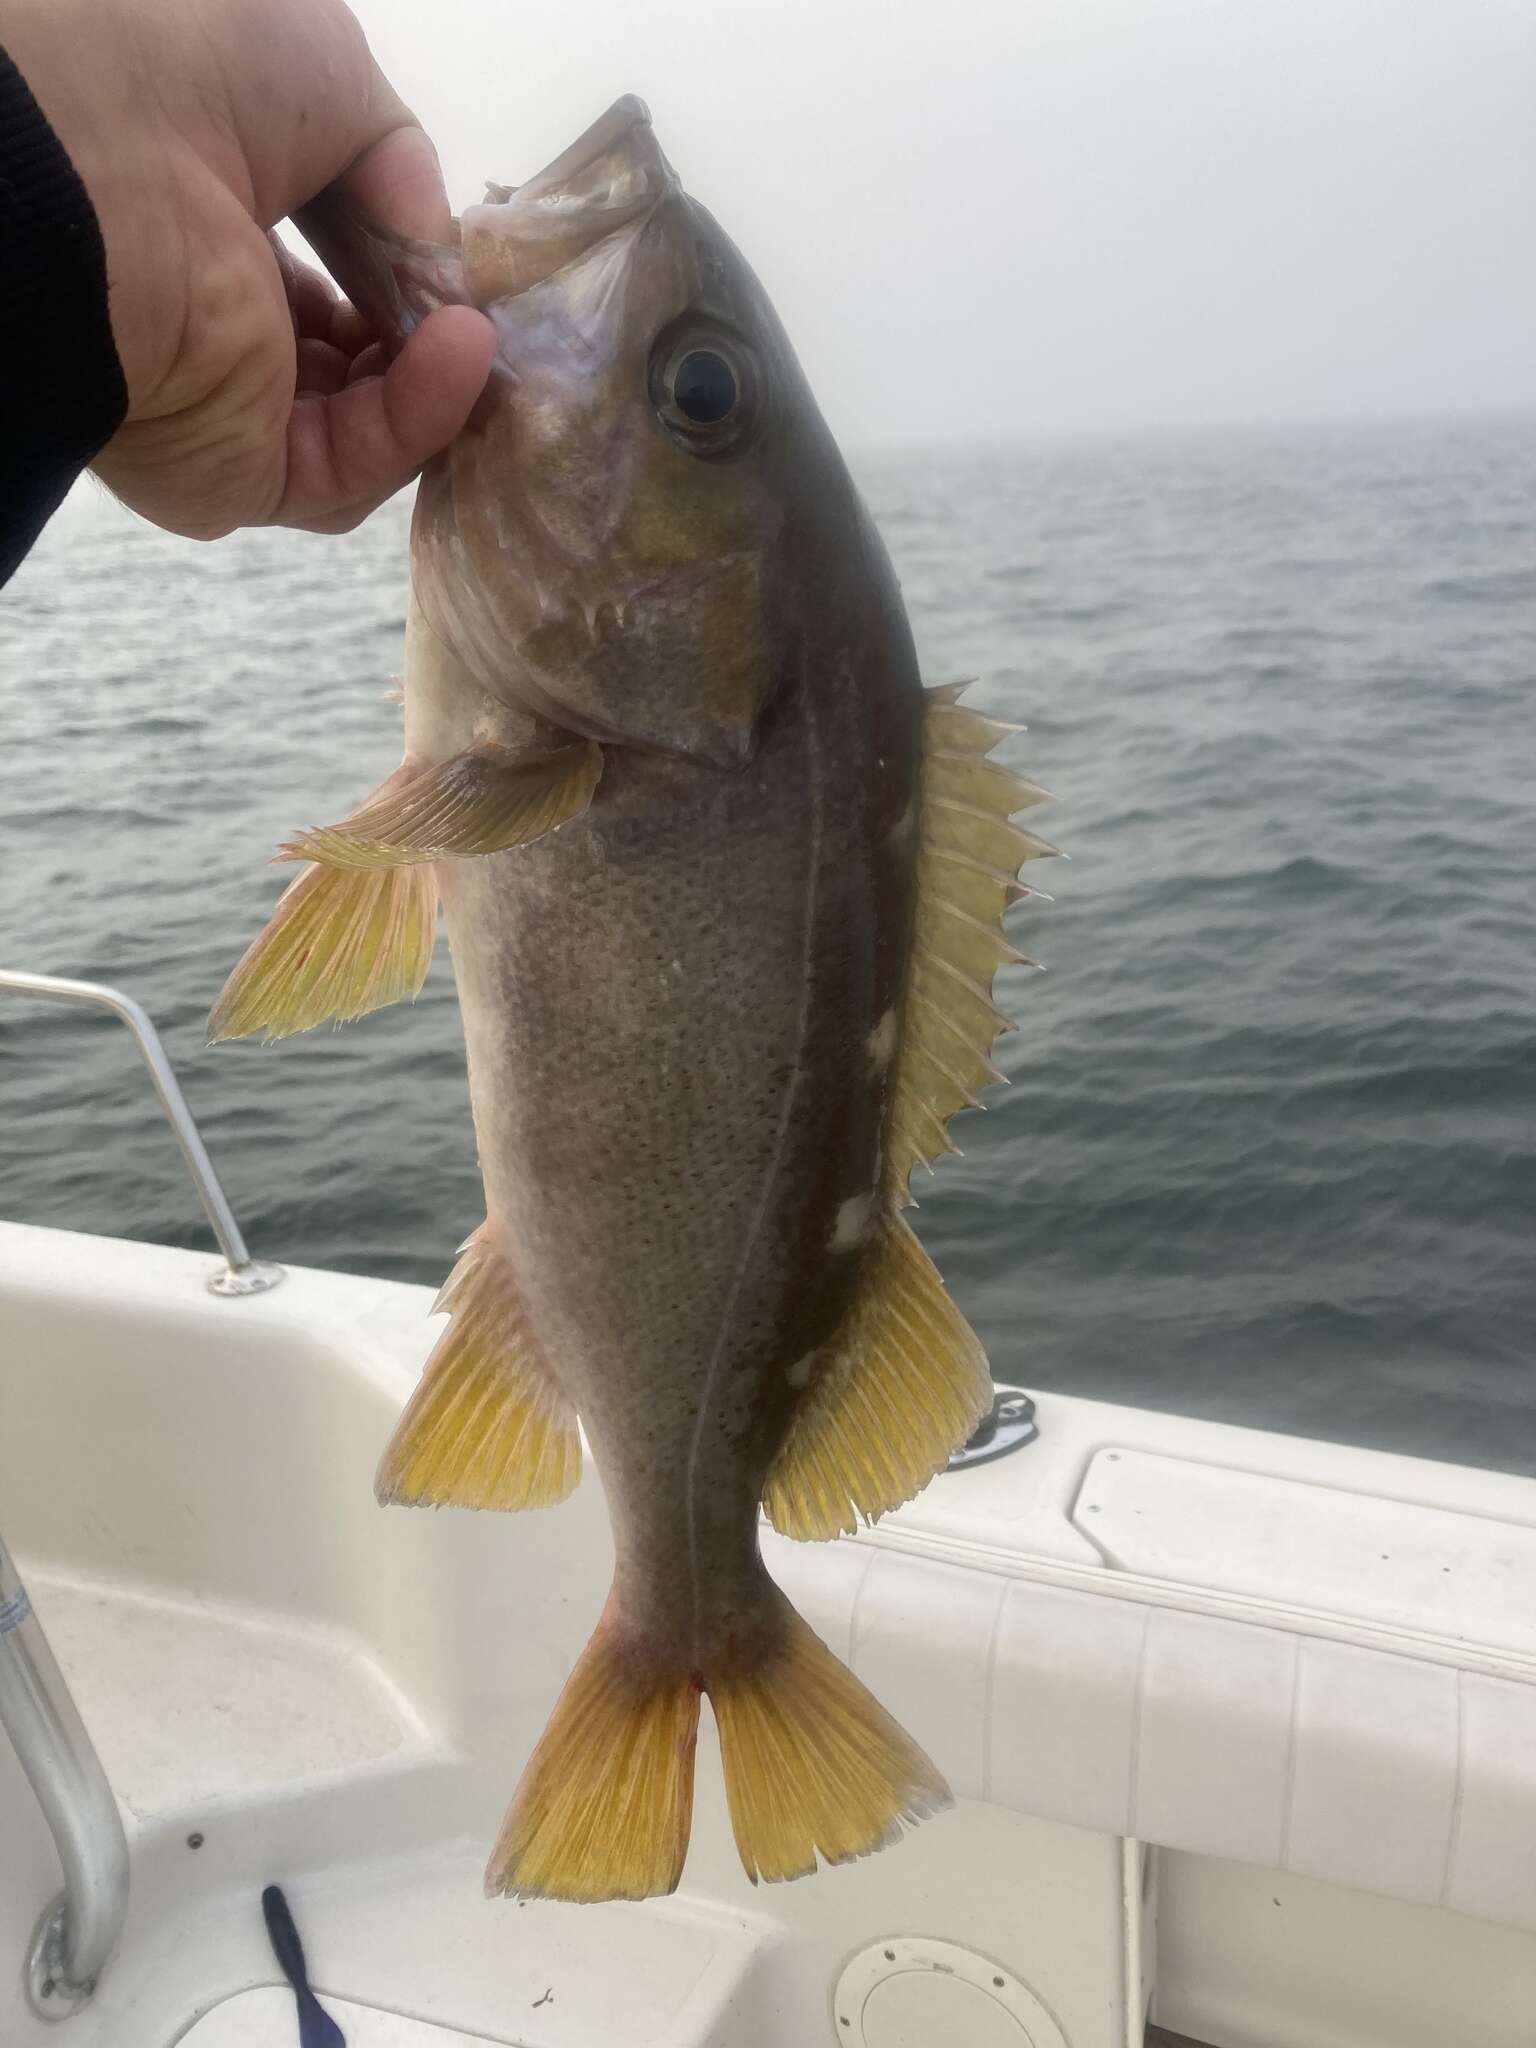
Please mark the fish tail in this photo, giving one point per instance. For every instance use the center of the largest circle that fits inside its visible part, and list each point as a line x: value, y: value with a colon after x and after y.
x: 605, y: 1805
x: 814, y: 1765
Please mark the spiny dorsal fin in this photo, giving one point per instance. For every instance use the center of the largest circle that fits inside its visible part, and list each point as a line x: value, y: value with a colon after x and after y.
x: 968, y: 861
x: 339, y: 944
x: 481, y: 801
x: 903, y: 1383
x: 487, y: 1427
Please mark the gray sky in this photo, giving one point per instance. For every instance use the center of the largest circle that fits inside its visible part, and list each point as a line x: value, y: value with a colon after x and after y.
x: 979, y: 217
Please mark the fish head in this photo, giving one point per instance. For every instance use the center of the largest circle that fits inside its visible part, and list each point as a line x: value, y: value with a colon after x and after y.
x: 610, y: 540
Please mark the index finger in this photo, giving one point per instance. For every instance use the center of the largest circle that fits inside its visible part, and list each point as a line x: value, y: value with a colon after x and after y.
x: 398, y: 181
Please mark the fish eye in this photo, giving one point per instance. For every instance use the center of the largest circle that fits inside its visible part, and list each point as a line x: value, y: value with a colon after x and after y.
x: 705, y: 386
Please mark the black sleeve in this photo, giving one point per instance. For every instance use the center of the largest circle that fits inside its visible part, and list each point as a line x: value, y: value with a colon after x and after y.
x: 62, y: 394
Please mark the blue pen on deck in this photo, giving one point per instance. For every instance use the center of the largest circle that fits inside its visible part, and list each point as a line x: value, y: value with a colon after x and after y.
x: 316, y: 2027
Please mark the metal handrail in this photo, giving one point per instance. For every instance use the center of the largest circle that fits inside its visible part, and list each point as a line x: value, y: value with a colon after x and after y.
x: 79, y: 1929
x: 243, y: 1274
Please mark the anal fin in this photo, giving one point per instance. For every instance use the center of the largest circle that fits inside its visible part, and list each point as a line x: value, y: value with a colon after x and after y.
x: 901, y: 1386
x: 480, y: 801
x: 488, y: 1427
x: 339, y: 944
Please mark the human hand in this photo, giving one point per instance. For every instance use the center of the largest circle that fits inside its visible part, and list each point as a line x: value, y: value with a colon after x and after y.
x: 255, y: 395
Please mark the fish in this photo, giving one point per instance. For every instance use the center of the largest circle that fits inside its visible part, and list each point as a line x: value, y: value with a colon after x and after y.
x: 724, y: 889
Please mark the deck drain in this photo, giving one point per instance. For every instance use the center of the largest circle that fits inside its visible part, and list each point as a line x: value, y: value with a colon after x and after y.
x: 910, y: 1991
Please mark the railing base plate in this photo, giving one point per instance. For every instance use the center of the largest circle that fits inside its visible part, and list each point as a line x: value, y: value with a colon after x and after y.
x: 254, y: 1278
x: 50, y: 1996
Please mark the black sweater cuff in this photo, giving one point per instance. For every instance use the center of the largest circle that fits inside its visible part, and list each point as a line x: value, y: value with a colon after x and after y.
x: 62, y: 395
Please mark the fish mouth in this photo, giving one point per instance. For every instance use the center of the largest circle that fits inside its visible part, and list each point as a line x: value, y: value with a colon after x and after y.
x: 607, y: 179
x: 607, y: 132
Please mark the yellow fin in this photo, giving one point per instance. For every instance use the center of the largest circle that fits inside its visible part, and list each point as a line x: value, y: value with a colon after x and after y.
x: 338, y: 945
x: 972, y: 779
x: 965, y: 730
x: 966, y: 878
x: 814, y: 1765
x: 901, y: 1385
x: 487, y: 1427
x: 605, y: 1805
x: 482, y: 800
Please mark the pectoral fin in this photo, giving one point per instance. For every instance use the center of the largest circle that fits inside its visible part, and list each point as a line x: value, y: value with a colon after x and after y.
x: 487, y: 1427
x: 339, y: 944
x: 479, y: 802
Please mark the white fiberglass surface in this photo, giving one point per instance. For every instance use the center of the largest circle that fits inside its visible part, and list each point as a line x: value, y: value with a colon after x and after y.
x: 290, y: 1685
x: 265, y: 2019
x: 1453, y: 1573
x: 193, y: 1703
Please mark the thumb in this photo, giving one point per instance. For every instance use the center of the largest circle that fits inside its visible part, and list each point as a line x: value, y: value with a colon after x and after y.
x: 349, y: 450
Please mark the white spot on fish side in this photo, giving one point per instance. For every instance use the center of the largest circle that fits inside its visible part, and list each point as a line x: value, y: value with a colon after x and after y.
x: 799, y: 1374
x: 904, y: 826
x: 853, y: 1220
x: 882, y: 1042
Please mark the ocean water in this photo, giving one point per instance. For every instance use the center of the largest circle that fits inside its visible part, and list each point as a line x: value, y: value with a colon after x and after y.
x: 1270, y: 1151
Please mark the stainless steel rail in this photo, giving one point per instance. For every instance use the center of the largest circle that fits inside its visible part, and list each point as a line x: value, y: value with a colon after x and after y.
x: 80, y: 1928
x: 242, y: 1274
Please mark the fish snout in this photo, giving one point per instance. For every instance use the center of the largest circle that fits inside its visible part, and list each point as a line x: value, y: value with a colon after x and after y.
x: 608, y: 178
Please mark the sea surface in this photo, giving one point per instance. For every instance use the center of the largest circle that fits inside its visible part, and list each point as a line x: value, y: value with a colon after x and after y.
x: 1270, y: 1151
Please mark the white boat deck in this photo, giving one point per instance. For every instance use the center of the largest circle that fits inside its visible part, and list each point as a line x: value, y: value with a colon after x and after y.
x: 1241, y: 1728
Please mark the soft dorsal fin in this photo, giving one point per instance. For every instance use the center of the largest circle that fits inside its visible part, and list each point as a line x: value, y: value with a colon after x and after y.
x: 968, y: 862
x: 482, y: 801
x: 488, y: 1427
x: 903, y: 1383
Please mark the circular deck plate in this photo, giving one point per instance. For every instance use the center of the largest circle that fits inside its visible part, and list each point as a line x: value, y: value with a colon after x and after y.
x: 911, y: 1991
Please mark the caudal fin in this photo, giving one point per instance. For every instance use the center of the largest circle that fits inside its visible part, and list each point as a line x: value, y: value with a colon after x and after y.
x: 605, y: 1805
x: 814, y: 1766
